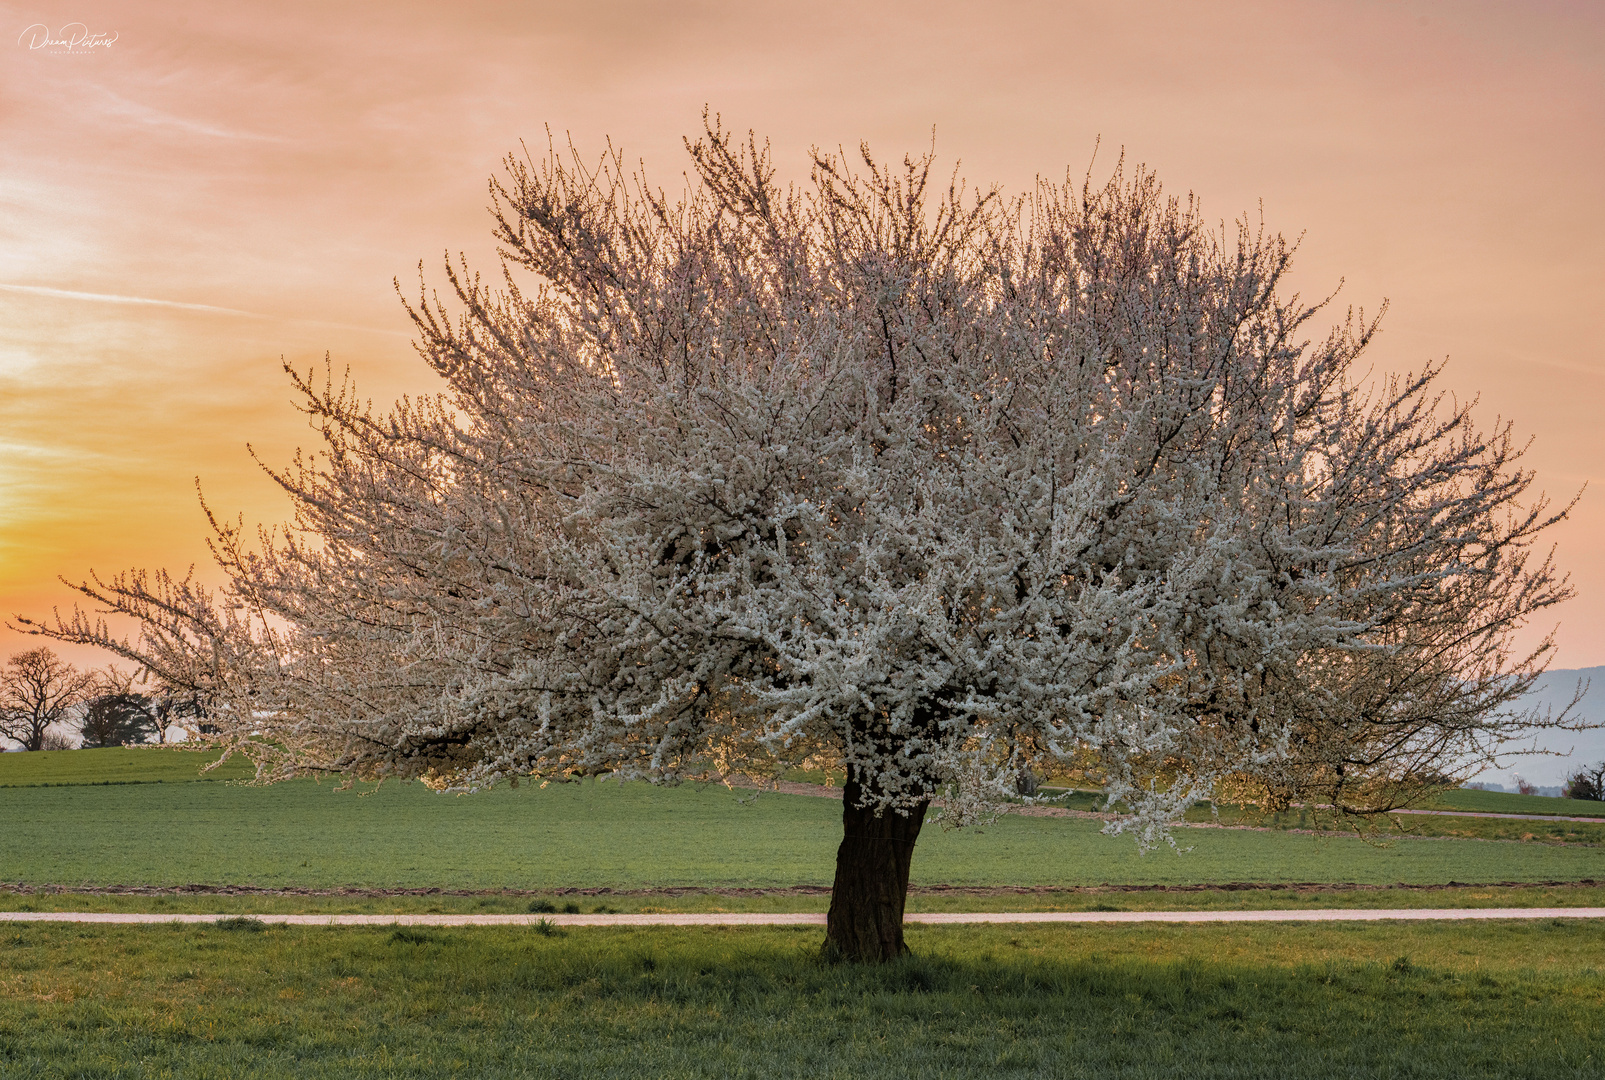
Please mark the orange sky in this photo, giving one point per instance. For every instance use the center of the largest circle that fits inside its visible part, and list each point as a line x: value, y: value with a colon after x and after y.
x: 226, y: 184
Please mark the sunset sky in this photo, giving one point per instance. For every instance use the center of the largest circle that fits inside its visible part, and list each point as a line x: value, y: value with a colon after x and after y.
x: 226, y: 184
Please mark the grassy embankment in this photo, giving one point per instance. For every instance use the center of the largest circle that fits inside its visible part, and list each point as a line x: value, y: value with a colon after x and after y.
x: 622, y: 846
x: 118, y: 765
x: 1465, y: 801
x: 1499, y: 999
x: 1533, y: 828
x: 1505, y: 802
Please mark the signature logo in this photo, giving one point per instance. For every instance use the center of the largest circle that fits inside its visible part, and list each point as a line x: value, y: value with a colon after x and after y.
x: 72, y: 38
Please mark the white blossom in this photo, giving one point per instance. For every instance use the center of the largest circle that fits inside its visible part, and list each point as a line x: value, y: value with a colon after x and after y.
x: 880, y: 475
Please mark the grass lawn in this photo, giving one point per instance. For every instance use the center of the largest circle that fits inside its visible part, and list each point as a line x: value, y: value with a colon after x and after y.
x: 1273, y: 1001
x: 117, y: 765
x: 1505, y: 802
x: 635, y: 836
x: 134, y: 817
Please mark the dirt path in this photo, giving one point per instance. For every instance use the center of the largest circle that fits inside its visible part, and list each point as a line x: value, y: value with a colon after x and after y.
x: 818, y: 918
x: 718, y: 891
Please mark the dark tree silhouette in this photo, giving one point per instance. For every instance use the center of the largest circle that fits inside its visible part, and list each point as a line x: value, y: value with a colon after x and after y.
x: 120, y: 719
x: 38, y: 690
x: 1586, y: 783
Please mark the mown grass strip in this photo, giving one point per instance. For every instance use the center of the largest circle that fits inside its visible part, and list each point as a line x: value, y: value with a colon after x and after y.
x: 812, y: 918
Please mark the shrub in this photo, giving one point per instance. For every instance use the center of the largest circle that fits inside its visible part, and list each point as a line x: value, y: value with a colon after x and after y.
x: 55, y: 740
x: 1586, y: 783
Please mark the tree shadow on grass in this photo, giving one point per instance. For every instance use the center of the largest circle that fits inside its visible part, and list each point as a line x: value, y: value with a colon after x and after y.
x: 721, y: 1003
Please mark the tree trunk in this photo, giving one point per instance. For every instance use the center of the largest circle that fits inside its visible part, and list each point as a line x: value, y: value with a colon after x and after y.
x: 866, y: 903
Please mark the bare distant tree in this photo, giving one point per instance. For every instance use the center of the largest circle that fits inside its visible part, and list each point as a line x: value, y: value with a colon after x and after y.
x: 38, y: 690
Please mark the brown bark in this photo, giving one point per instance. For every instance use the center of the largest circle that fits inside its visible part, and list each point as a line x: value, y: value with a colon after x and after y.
x: 865, y: 923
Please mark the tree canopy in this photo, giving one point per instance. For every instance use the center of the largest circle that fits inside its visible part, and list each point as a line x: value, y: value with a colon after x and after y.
x: 927, y: 485
x: 119, y: 718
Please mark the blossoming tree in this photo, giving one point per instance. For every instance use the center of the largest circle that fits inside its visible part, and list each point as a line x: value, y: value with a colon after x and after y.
x: 928, y: 487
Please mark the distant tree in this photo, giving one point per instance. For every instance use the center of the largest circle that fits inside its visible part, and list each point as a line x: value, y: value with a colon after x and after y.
x: 934, y: 490
x: 181, y: 709
x: 1586, y: 783
x: 119, y: 719
x: 37, y: 691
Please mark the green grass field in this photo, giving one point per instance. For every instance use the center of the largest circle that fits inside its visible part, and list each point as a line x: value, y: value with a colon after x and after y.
x: 116, y: 765
x: 629, y: 836
x: 636, y: 836
x: 1401, y: 1000
x: 147, y: 765
x: 1390, y: 1000
x: 1503, y: 802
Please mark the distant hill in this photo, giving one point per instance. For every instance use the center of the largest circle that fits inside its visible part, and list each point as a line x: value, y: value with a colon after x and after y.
x: 1554, y: 690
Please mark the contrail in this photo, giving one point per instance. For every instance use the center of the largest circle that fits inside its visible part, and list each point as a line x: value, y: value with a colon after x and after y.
x: 112, y: 298
x: 146, y: 301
